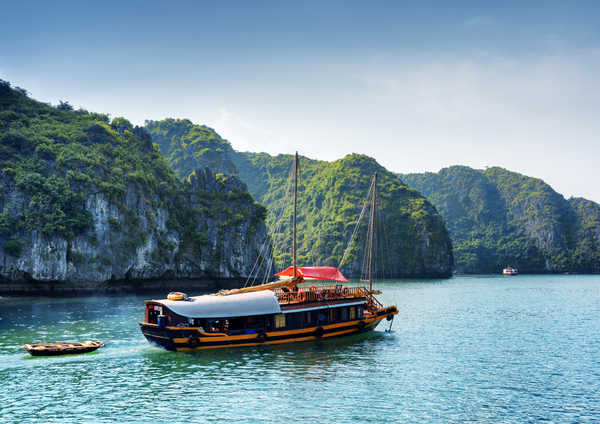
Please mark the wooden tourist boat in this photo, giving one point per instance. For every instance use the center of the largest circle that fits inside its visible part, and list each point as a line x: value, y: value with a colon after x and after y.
x: 509, y: 271
x: 61, y: 348
x: 289, y: 310
x: 284, y: 313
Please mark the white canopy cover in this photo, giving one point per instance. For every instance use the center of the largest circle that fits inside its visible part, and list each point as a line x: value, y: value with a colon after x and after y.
x: 234, y: 305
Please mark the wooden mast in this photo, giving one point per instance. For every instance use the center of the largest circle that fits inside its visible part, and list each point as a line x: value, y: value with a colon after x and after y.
x: 372, y: 232
x: 295, y: 201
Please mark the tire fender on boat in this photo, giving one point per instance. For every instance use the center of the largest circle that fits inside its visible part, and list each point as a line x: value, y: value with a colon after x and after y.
x: 262, y: 336
x: 319, y: 332
x: 389, y: 317
x: 361, y: 325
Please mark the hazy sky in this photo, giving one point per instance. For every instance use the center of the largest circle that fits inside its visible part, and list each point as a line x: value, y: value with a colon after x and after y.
x: 417, y: 85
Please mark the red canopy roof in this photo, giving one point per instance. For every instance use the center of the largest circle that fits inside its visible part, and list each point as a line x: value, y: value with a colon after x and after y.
x: 318, y: 272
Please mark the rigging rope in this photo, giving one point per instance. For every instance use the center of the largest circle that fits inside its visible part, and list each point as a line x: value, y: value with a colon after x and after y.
x: 387, y: 263
x: 364, y: 266
x: 362, y: 213
x: 264, y: 250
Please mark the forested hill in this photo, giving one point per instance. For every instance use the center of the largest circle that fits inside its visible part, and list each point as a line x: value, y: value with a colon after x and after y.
x: 188, y: 147
x: 413, y: 239
x: 85, y: 199
x: 498, y: 218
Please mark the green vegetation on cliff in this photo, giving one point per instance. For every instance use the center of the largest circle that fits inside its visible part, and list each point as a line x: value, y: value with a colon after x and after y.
x: 498, y: 218
x: 57, y: 157
x: 412, y: 237
x: 586, y: 255
x: 71, y: 179
x: 413, y: 240
x: 188, y: 147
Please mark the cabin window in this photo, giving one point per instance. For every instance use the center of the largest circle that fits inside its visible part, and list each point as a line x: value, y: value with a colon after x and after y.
x: 359, y: 311
x: 216, y: 326
x: 333, y: 314
x: 294, y: 320
x: 258, y: 323
x: 343, y: 314
x: 321, y: 318
x: 153, y: 311
x: 279, y: 321
x: 352, y: 312
x: 308, y: 317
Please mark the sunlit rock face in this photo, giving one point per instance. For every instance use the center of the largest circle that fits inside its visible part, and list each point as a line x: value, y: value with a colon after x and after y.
x: 228, y: 249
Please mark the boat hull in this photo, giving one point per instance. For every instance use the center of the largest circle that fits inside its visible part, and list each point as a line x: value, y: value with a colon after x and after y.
x: 189, y: 338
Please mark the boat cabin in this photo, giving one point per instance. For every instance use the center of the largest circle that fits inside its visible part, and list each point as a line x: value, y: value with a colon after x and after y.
x: 261, y: 311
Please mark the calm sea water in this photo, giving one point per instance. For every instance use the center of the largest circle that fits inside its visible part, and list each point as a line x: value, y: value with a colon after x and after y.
x: 469, y: 349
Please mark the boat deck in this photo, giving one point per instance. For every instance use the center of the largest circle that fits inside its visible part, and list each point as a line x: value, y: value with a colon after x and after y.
x: 330, y: 294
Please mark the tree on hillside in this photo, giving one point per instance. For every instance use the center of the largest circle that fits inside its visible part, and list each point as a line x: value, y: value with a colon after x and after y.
x: 64, y: 105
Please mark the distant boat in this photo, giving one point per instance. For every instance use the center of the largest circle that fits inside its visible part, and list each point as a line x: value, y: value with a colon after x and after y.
x: 509, y: 271
x: 61, y: 348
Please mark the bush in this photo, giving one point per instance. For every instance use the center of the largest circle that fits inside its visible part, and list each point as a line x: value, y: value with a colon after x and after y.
x: 7, y: 225
x: 13, y: 247
x: 121, y: 124
x: 75, y: 257
x: 114, y: 223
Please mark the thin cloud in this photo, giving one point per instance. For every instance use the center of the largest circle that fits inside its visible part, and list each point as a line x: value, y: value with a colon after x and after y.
x: 536, y: 115
x: 243, y: 133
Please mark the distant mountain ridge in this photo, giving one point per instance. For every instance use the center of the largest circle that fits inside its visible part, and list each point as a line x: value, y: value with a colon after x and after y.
x: 497, y: 217
x: 331, y: 195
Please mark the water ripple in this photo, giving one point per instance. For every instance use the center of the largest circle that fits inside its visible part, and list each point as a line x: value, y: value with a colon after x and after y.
x: 469, y: 349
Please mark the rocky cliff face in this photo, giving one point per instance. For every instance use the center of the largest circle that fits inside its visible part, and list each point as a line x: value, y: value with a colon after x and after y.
x: 226, y: 245
x: 86, y: 201
x: 539, y: 211
x: 586, y: 254
x: 498, y: 218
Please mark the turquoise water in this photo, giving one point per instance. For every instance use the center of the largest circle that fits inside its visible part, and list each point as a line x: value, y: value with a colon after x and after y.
x: 469, y: 349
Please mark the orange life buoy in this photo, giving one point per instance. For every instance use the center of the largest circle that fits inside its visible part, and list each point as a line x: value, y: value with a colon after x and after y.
x: 176, y: 296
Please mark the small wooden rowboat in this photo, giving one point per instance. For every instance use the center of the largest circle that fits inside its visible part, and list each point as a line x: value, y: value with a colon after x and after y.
x: 61, y: 348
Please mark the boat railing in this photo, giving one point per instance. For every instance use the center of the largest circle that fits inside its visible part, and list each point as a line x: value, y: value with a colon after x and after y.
x: 372, y: 303
x: 321, y: 293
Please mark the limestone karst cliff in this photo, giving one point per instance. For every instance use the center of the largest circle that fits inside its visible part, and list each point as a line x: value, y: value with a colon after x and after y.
x: 85, y: 199
x: 414, y: 240
x: 497, y: 217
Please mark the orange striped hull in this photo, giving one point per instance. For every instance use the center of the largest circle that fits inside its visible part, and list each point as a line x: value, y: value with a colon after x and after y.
x: 189, y: 338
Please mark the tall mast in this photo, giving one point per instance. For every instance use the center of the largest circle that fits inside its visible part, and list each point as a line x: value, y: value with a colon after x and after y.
x: 372, y: 232
x: 295, y: 201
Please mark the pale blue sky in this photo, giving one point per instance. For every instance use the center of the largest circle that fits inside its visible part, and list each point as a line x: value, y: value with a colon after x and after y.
x: 417, y: 85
